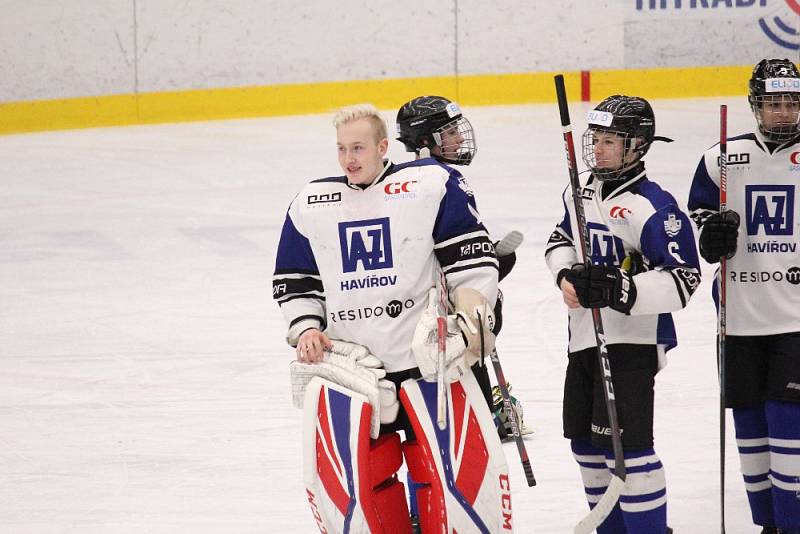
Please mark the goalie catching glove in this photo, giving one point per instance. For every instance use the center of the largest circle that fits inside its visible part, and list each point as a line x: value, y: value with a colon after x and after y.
x: 473, y: 314
x: 425, y: 345
x: 351, y: 366
x: 476, y: 320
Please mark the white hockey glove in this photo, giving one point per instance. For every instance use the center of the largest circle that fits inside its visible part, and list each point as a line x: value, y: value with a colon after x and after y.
x: 474, y: 314
x: 351, y: 366
x: 425, y: 345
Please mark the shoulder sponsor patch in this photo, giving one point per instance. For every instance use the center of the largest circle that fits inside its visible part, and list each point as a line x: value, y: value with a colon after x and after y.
x: 672, y: 226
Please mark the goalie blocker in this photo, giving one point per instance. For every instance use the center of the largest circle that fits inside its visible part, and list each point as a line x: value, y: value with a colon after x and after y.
x: 351, y: 480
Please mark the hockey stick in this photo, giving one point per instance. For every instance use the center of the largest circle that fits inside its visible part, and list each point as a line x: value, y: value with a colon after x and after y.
x: 609, y: 499
x: 509, y: 243
x: 721, y: 327
x: 512, y: 417
x: 441, y: 333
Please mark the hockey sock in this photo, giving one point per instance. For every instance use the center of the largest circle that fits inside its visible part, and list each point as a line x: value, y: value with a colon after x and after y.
x: 751, y: 438
x: 596, y: 477
x: 644, y: 499
x: 783, y: 419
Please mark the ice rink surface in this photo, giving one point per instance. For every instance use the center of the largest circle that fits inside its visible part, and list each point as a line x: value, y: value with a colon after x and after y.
x: 144, y: 383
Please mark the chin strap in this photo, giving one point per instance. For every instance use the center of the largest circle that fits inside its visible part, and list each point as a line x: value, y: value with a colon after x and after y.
x: 664, y: 139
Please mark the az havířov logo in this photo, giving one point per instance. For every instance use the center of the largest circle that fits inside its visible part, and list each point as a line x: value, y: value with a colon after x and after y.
x: 770, y: 207
x: 366, y: 244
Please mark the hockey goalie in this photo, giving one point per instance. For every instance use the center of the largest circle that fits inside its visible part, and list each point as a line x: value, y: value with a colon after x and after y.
x: 359, y: 260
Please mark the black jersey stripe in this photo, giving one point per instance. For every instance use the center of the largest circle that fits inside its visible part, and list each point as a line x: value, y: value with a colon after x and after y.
x: 304, y: 317
x: 475, y: 247
x: 452, y: 270
x: 293, y: 286
x: 301, y: 296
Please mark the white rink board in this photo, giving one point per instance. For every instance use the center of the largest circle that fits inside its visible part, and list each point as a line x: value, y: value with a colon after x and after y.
x: 86, y: 48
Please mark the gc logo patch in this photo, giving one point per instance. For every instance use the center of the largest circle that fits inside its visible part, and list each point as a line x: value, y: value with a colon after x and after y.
x: 770, y: 206
x: 619, y: 212
x: 366, y: 242
x: 396, y: 188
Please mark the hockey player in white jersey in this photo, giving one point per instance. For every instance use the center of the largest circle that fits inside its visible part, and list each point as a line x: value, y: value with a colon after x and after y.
x: 356, y: 265
x: 758, y: 234
x: 644, y: 266
x: 434, y: 126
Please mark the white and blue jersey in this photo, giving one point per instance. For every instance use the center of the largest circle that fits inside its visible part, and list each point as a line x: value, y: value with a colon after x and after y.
x: 358, y: 262
x: 763, y: 286
x: 623, y: 217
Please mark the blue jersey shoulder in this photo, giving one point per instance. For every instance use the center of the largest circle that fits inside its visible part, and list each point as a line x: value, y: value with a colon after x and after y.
x: 658, y: 197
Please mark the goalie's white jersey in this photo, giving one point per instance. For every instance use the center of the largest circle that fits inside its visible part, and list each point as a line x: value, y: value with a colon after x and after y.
x: 763, y: 285
x: 635, y: 215
x: 358, y: 262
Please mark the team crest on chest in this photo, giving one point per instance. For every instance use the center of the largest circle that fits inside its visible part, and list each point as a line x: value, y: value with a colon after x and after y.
x: 366, y: 245
x: 769, y: 209
x: 605, y: 247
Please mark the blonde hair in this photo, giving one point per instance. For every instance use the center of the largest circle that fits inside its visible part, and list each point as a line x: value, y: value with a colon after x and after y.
x: 362, y: 111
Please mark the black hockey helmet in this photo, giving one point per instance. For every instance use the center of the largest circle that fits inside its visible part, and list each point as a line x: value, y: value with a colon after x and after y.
x: 776, y: 81
x: 436, y: 123
x: 629, y: 117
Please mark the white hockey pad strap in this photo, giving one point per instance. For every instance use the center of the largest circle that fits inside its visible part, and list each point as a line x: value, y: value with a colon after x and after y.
x: 426, y: 349
x: 474, y: 314
x: 462, y: 466
x: 358, y: 353
x: 350, y: 479
x: 353, y: 367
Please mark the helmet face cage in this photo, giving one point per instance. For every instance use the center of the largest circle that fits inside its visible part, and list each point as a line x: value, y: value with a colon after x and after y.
x: 632, y: 152
x: 455, y: 142
x: 775, y: 99
x: 628, y: 117
x: 777, y: 115
x: 436, y: 123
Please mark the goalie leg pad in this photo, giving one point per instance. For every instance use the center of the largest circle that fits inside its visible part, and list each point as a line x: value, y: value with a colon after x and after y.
x: 351, y: 481
x: 463, y: 468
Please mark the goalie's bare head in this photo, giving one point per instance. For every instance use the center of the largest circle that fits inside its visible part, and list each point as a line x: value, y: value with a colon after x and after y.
x: 621, y: 130
x: 361, y: 142
x: 774, y: 98
x: 437, y: 124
